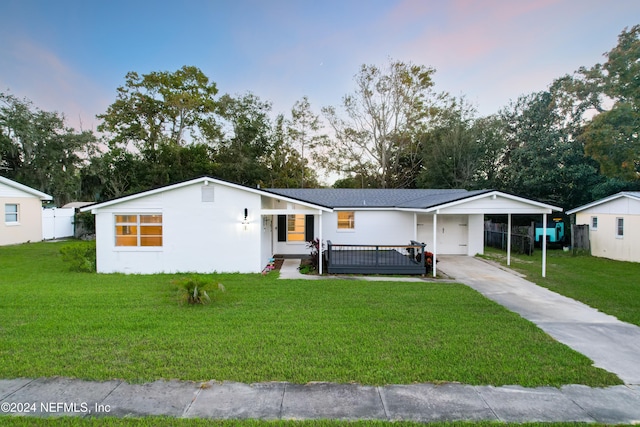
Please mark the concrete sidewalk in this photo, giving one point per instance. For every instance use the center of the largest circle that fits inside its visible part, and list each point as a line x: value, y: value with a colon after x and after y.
x: 286, y: 401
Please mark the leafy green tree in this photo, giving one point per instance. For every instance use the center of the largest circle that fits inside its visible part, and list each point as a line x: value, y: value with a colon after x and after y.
x: 242, y: 153
x: 303, y: 131
x: 38, y: 150
x: 451, y: 154
x: 612, y: 91
x: 285, y: 164
x: 379, y: 136
x: 162, y: 107
x: 489, y: 135
x: 543, y: 160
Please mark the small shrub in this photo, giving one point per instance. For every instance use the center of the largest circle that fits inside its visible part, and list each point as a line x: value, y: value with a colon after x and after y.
x: 85, y: 223
x: 80, y: 257
x: 195, y: 290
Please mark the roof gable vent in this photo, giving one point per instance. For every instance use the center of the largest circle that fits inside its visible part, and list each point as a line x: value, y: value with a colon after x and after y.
x: 208, y: 193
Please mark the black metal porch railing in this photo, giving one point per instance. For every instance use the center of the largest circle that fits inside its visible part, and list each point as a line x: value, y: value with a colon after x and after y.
x: 375, y: 259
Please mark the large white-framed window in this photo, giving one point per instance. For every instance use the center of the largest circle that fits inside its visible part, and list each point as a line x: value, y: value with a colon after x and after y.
x: 12, y: 213
x: 594, y: 223
x: 346, y: 220
x: 138, y: 230
x: 619, y: 227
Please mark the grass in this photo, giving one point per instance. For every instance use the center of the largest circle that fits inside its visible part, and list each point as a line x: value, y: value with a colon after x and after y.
x: 130, y: 327
x: 612, y: 287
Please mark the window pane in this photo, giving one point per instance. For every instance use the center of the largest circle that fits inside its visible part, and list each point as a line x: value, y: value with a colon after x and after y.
x: 151, y: 230
x: 127, y: 219
x: 126, y: 240
x: 126, y: 230
x: 150, y: 219
x: 295, y: 237
x: 151, y: 241
x: 346, y: 220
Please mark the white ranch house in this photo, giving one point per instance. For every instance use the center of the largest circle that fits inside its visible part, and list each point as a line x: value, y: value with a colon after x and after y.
x: 22, y: 212
x: 614, y: 225
x: 209, y: 225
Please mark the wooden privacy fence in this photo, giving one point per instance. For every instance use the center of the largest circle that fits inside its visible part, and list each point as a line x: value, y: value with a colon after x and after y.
x: 580, y: 237
x: 495, y: 236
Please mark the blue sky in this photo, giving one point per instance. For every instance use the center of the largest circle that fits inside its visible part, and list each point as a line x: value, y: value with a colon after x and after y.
x: 70, y: 56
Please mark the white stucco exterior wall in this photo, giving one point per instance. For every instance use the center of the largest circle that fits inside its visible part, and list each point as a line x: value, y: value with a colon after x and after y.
x: 372, y: 227
x: 198, y: 236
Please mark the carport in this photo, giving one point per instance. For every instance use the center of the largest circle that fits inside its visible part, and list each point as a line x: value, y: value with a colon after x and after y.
x: 461, y: 223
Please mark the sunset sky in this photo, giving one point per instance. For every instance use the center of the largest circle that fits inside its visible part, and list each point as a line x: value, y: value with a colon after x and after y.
x: 70, y: 56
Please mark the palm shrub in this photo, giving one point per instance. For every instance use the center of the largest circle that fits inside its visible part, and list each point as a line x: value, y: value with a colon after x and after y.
x: 196, y: 289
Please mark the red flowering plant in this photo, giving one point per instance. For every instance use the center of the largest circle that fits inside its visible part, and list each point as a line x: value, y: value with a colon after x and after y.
x: 316, y: 252
x: 428, y: 261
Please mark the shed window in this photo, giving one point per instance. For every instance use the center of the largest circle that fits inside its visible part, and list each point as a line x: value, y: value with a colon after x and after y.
x: 619, y: 227
x: 139, y: 230
x: 346, y: 220
x: 594, y: 223
x: 11, y: 212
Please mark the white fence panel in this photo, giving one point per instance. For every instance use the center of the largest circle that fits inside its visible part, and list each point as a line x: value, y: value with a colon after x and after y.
x: 57, y: 223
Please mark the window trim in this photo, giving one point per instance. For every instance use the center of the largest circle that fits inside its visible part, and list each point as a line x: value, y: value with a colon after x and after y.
x: 139, y: 226
x: 619, y: 227
x: 594, y: 223
x: 16, y: 213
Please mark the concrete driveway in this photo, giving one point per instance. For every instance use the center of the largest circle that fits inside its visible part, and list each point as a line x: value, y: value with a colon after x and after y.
x: 611, y: 344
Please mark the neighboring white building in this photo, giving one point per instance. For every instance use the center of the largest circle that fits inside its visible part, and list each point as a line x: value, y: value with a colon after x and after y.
x: 22, y: 212
x: 206, y: 225
x: 614, y: 226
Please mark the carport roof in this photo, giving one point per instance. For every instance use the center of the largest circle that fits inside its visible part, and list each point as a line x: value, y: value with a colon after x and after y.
x: 337, y: 198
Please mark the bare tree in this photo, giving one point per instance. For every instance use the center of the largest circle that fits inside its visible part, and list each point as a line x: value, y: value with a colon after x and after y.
x: 379, y: 137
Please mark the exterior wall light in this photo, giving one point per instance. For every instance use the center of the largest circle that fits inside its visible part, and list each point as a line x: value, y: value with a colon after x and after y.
x: 245, y: 221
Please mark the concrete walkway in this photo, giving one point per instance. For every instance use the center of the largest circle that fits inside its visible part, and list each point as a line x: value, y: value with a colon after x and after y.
x: 289, y: 270
x: 611, y: 344
x: 227, y: 400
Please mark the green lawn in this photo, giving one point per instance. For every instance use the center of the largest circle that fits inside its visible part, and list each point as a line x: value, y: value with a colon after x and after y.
x: 100, y: 327
x: 612, y: 287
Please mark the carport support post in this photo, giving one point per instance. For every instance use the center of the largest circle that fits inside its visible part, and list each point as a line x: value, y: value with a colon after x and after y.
x: 508, y: 239
x: 320, y: 254
x: 544, y: 245
x: 435, y: 248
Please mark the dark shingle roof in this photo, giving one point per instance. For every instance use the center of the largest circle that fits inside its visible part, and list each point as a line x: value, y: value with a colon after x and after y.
x: 375, y: 198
